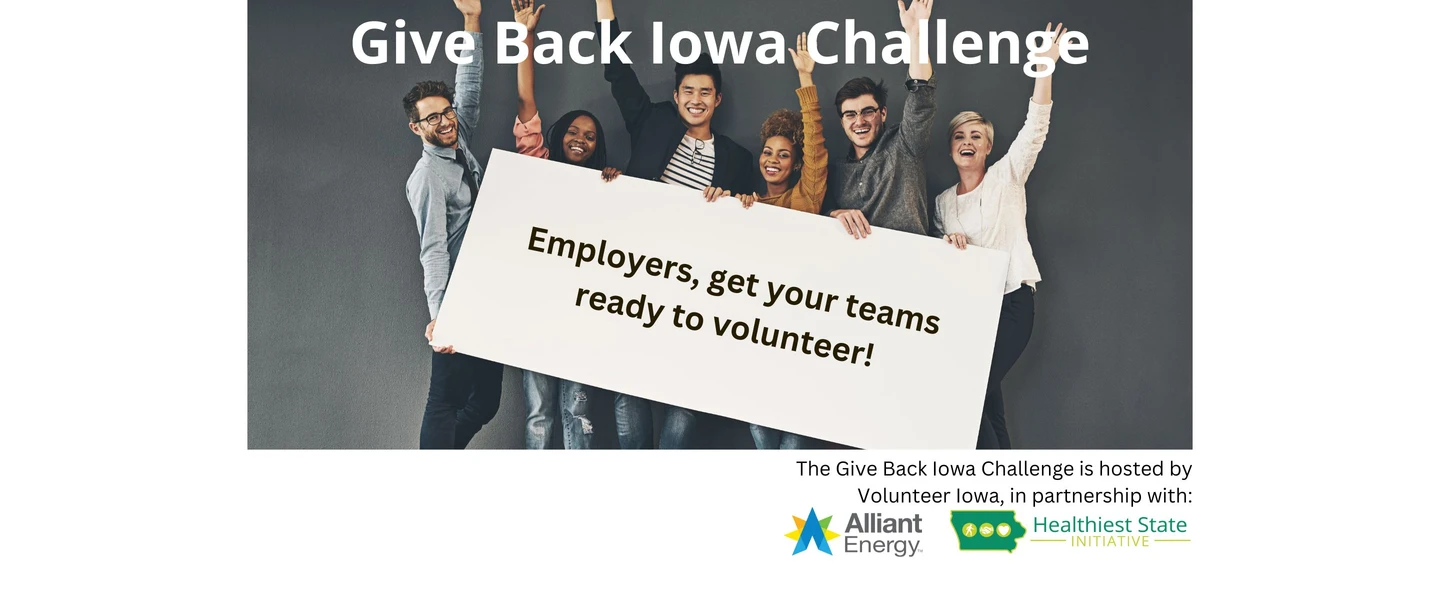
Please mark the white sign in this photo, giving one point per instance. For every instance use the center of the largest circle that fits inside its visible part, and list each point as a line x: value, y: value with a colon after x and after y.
x: 883, y: 342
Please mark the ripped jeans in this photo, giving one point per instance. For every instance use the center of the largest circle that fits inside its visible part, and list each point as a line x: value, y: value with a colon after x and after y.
x: 543, y: 394
x: 634, y: 423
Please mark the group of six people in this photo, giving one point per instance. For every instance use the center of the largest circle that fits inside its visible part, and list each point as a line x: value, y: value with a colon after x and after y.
x: 881, y: 182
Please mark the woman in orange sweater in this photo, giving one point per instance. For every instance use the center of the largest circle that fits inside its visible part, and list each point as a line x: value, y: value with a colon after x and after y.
x: 793, y: 180
x: 784, y: 134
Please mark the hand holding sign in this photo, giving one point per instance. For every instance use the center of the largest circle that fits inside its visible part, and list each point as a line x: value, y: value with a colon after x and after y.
x: 641, y: 287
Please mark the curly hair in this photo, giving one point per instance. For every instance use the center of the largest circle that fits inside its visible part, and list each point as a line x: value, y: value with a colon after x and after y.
x: 422, y: 90
x: 786, y: 123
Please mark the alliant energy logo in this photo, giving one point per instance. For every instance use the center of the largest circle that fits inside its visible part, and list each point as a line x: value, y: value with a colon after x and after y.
x: 867, y: 533
x: 812, y: 530
x: 876, y: 534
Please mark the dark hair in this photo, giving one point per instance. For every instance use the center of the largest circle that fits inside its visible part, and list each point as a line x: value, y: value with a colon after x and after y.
x: 702, y: 66
x: 422, y: 90
x: 859, y: 87
x: 555, y: 139
x: 786, y: 123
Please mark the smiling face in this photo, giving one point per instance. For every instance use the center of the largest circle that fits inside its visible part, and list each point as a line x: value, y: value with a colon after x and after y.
x: 696, y: 98
x: 446, y: 131
x: 969, y: 145
x: 863, y: 119
x: 777, y: 160
x: 579, y: 142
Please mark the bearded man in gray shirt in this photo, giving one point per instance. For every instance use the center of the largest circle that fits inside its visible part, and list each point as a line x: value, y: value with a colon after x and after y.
x: 464, y: 390
x: 882, y: 180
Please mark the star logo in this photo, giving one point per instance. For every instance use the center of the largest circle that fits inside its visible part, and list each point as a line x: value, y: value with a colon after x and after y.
x: 812, y: 529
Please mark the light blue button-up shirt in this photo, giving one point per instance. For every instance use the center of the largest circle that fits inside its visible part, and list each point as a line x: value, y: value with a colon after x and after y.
x: 439, y: 195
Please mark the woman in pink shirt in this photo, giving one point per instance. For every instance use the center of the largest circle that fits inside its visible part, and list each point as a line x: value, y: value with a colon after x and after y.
x: 576, y: 138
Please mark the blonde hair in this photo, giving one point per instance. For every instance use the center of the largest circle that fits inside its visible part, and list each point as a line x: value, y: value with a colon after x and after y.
x: 965, y: 117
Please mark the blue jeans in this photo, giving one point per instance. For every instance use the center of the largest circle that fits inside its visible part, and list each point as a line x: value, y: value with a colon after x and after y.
x: 633, y: 423
x: 543, y: 394
x: 770, y: 438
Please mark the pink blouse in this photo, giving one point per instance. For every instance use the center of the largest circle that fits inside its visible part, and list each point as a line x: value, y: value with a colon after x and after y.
x: 530, y: 138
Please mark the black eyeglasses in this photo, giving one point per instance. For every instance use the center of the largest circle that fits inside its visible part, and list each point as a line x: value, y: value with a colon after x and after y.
x: 434, y: 118
x: 866, y: 112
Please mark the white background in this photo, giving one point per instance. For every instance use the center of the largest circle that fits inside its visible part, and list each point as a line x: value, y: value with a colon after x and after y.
x: 127, y: 479
x: 932, y: 384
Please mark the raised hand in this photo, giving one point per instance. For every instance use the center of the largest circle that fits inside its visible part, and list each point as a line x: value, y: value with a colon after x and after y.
x: 801, y: 56
x: 910, y: 18
x: 1043, y: 82
x: 526, y: 13
x: 1053, y: 53
x: 469, y: 8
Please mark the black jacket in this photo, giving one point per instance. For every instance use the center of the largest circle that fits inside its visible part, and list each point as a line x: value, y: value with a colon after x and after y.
x: 656, y: 130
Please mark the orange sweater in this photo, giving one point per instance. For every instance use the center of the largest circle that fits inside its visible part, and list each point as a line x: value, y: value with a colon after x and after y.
x: 807, y: 194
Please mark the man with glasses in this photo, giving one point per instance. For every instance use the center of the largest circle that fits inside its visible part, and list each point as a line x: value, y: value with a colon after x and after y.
x: 882, y: 180
x: 464, y: 390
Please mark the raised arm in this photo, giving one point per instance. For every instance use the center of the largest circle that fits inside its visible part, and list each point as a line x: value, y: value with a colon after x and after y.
x: 1043, y: 83
x: 1020, y: 158
x: 920, y: 100
x: 469, y: 76
x: 529, y: 132
x: 910, y: 19
x: 816, y: 165
x: 528, y: 15
x: 630, y: 96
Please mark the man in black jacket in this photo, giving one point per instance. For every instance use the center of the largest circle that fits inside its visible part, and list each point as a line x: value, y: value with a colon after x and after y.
x: 672, y: 142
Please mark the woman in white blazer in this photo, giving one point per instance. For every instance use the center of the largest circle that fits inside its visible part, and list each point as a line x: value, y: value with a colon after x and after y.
x: 987, y: 208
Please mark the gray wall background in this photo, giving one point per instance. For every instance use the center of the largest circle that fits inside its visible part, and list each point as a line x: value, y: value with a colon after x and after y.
x: 337, y: 357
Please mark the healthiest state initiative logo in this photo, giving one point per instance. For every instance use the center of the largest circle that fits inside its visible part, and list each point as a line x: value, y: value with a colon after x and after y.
x: 993, y: 530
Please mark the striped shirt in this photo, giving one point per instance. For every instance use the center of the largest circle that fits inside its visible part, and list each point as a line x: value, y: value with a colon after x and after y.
x: 692, y: 165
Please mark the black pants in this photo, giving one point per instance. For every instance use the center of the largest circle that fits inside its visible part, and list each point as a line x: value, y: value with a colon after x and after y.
x: 464, y: 395
x: 1017, y: 318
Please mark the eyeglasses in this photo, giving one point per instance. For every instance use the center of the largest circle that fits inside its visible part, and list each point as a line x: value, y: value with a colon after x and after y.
x: 865, y: 113
x: 434, y: 118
